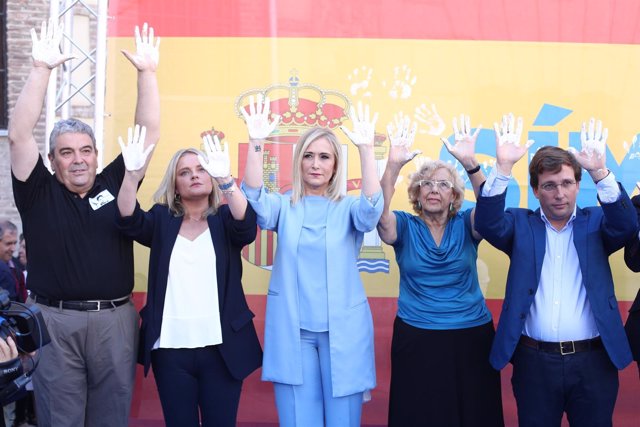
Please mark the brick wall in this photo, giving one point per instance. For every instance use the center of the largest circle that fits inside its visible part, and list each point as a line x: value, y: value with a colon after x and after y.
x: 22, y: 15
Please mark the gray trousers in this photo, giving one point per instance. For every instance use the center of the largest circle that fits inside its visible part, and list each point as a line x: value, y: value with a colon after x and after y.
x: 86, y: 374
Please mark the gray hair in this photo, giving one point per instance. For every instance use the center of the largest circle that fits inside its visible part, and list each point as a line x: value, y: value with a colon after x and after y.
x: 426, y: 171
x: 69, y: 126
x: 7, y: 226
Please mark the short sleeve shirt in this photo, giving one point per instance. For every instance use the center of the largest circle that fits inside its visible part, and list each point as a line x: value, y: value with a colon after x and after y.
x: 438, y: 283
x: 75, y: 250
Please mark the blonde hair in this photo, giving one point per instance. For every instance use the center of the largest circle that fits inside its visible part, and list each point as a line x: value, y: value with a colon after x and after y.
x: 333, y: 191
x: 166, y: 192
x: 426, y: 171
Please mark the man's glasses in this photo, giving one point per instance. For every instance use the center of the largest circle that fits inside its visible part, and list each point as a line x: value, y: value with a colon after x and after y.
x: 430, y: 184
x: 550, y: 187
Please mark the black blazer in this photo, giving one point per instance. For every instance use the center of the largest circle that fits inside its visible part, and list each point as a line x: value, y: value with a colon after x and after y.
x: 158, y: 229
x: 632, y: 259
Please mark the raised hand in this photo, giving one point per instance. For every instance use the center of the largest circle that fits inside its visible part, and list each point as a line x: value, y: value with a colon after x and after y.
x: 363, y: 126
x: 464, y: 147
x: 134, y: 153
x: 508, y: 147
x: 401, y: 136
x: 594, y: 143
x: 257, y: 119
x: 147, y: 53
x: 46, y: 50
x: 217, y: 163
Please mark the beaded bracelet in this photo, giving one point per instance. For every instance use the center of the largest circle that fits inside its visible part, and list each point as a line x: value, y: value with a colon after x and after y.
x: 227, y: 185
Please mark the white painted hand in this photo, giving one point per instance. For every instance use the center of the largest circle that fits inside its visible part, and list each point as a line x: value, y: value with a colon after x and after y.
x: 363, y: 126
x: 508, y: 148
x: 464, y: 147
x: 45, y: 51
x: 217, y: 163
x: 401, y: 136
x: 134, y: 153
x: 594, y: 143
x: 257, y: 119
x: 147, y: 53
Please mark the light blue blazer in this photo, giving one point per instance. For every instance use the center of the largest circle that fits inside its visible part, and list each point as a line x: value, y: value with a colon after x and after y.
x: 350, y: 321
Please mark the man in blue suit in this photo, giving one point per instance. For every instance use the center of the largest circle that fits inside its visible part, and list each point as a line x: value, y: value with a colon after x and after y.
x: 560, y: 325
x: 632, y: 259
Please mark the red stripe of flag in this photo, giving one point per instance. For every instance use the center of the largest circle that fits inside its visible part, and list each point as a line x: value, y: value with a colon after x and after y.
x: 582, y: 21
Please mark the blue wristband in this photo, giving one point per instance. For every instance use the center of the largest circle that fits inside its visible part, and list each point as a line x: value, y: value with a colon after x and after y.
x: 227, y: 185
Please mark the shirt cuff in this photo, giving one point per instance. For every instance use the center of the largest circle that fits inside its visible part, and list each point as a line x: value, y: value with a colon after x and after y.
x: 250, y: 192
x: 608, y: 189
x: 373, y: 199
x: 496, y: 183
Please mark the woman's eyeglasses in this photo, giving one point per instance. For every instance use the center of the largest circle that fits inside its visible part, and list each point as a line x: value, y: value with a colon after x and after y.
x: 430, y: 184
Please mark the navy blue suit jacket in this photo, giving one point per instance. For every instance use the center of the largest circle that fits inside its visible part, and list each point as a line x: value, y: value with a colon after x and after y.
x: 158, y: 229
x: 632, y: 259
x: 521, y: 234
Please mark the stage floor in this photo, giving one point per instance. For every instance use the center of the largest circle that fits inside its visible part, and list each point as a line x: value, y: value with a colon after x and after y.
x: 257, y: 407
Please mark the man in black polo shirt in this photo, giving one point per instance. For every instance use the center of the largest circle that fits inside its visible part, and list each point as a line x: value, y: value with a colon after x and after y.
x: 80, y: 266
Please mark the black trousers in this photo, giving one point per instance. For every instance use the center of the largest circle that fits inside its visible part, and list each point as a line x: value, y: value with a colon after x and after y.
x: 442, y: 378
x: 546, y: 385
x: 195, y: 387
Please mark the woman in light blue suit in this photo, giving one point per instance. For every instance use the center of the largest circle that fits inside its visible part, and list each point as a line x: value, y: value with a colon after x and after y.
x: 318, y: 330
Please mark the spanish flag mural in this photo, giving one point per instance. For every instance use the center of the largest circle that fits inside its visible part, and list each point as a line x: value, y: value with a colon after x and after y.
x: 556, y: 63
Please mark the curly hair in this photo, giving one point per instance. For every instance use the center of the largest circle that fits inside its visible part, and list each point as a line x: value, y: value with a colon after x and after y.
x: 426, y: 171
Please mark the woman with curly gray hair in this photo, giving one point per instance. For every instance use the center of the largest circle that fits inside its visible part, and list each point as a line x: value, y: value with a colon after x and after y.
x: 442, y: 334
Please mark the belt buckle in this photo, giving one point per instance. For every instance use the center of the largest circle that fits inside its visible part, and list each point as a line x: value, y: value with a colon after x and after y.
x: 566, y: 352
x: 97, y: 305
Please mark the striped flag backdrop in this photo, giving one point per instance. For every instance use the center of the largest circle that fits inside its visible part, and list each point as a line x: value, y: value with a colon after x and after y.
x: 556, y: 63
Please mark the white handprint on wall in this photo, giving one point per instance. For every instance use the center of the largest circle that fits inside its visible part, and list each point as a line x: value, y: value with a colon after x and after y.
x: 431, y: 122
x: 403, y: 83
x: 360, y: 79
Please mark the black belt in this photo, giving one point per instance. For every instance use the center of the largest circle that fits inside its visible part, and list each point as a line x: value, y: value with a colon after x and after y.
x: 564, y: 347
x: 91, y: 305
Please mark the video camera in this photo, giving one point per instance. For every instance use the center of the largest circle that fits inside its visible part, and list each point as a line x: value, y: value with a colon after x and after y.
x: 26, y: 326
x: 23, y: 323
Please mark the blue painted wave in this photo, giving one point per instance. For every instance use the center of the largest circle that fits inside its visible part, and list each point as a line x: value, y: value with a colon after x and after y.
x: 373, y: 265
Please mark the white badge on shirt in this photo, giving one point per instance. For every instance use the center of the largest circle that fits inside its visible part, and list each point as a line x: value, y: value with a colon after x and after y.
x: 101, y: 199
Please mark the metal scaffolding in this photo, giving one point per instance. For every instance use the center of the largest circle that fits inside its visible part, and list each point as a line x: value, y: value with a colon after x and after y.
x: 75, y: 85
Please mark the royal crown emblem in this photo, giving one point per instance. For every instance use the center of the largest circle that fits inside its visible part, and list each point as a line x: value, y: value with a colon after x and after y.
x: 301, y: 107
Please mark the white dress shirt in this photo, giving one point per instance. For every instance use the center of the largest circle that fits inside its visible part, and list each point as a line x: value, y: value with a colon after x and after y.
x: 561, y: 310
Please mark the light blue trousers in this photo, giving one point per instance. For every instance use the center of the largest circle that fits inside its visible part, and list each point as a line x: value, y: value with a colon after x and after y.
x: 312, y: 403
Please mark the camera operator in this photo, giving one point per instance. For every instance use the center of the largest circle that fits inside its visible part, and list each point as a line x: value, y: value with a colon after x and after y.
x: 10, y: 366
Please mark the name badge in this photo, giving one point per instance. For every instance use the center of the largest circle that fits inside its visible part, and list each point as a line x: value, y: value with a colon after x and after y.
x: 101, y: 199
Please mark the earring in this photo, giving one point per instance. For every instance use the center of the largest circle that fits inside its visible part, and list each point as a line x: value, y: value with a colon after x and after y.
x: 419, y: 205
x: 450, y: 207
x: 176, y: 197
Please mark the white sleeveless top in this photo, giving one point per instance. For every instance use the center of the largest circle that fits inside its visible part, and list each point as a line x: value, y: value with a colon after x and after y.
x: 191, y: 316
